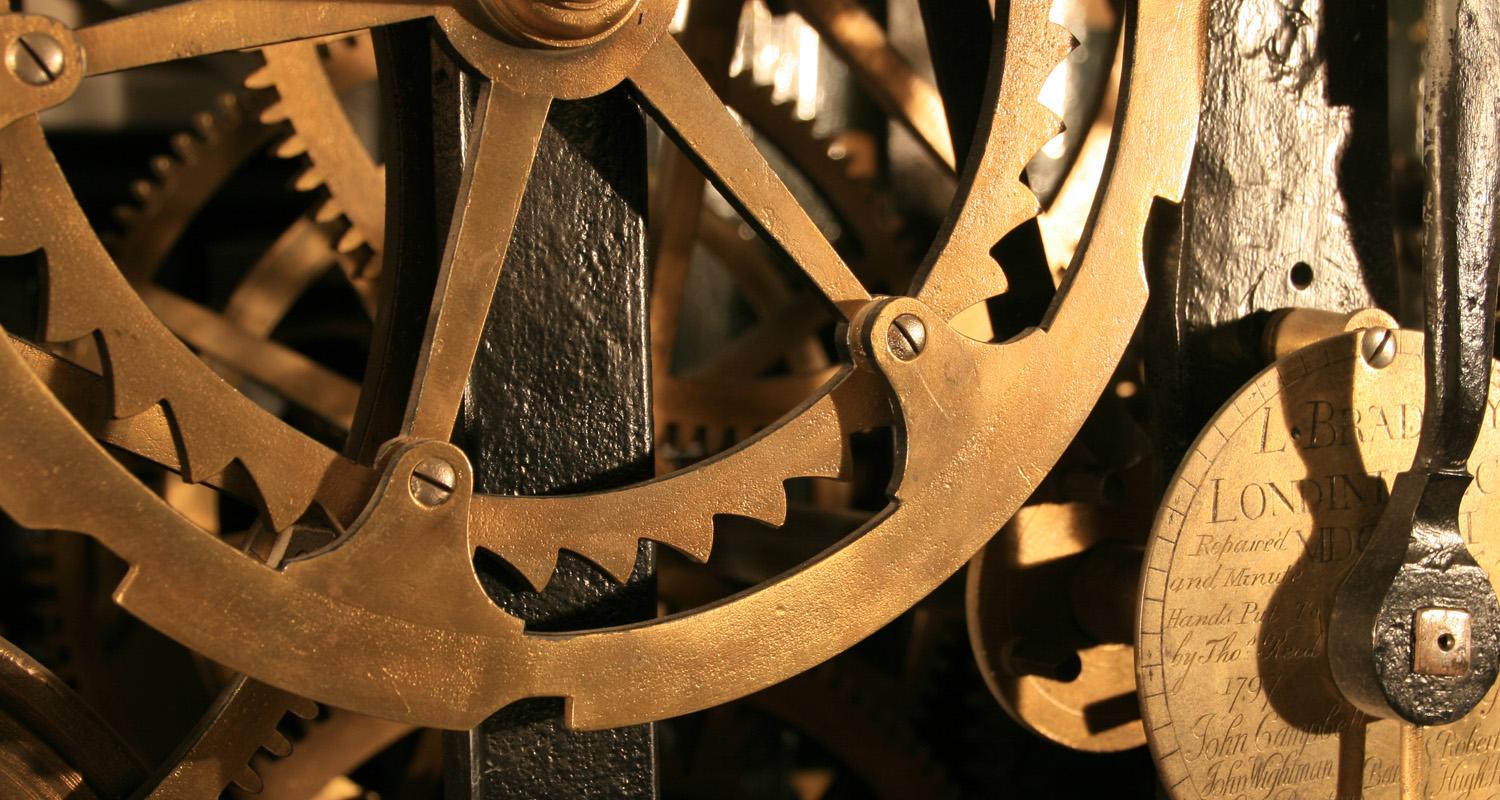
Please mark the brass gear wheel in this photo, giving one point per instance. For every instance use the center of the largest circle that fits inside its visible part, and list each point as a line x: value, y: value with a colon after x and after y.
x: 695, y: 414
x: 366, y: 629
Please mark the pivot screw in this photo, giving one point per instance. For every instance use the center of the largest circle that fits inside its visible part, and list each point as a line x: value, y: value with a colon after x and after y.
x: 36, y: 58
x: 432, y: 481
x: 1377, y: 346
x: 906, y: 337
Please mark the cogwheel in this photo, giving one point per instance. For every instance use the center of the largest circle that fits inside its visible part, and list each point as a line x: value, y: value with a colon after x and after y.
x: 880, y: 255
x: 306, y: 79
x: 204, y: 161
x: 181, y: 183
x: 52, y: 745
x: 358, y: 625
x: 329, y: 748
x: 726, y: 399
x: 243, y: 722
x: 693, y: 415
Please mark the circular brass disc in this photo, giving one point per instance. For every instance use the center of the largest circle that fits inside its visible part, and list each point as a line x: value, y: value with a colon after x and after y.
x: 1261, y: 522
x: 1013, y: 592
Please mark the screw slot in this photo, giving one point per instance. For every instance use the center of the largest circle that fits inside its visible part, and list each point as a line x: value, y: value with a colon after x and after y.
x: 35, y: 58
x: 906, y: 337
x: 1377, y: 346
x: 432, y: 482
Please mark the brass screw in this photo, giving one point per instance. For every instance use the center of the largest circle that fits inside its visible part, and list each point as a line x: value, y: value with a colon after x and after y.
x: 432, y: 482
x: 35, y: 58
x: 1378, y: 347
x: 906, y: 337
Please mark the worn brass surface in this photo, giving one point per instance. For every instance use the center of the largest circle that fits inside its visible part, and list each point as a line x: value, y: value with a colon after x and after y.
x: 1262, y: 520
x: 1017, y: 587
x: 1292, y: 329
x: 559, y: 23
x: 20, y: 98
x: 359, y: 624
x: 714, y: 406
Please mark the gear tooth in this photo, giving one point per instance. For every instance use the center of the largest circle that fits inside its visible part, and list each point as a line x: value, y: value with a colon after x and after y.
x: 1062, y: 40
x: 308, y: 180
x: 771, y: 506
x: 369, y: 267
x: 277, y: 744
x: 161, y: 166
x: 185, y: 146
x: 261, y: 78
x: 203, y: 123
x: 538, y: 571
x: 249, y: 780
x: 273, y: 114
x: 227, y: 110
x: 350, y: 241
x: 303, y: 708
x: 620, y: 565
x: 142, y: 189
x: 125, y: 214
x: 328, y: 211
x: 291, y: 147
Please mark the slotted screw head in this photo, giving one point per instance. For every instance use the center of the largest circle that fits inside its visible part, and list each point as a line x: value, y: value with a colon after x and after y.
x: 1378, y: 347
x: 432, y: 481
x: 36, y: 58
x: 906, y: 337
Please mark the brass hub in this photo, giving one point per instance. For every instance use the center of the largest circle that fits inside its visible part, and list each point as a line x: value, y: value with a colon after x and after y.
x: 560, y: 23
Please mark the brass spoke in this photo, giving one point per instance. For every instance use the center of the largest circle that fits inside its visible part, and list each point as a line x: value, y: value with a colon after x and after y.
x: 769, y: 340
x: 687, y: 107
x: 678, y: 205
x: 202, y: 27
x: 908, y: 97
x: 291, y: 374
x: 281, y: 276
x: 507, y: 129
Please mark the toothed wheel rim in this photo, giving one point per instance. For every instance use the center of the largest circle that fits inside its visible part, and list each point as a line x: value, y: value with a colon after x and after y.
x: 472, y: 658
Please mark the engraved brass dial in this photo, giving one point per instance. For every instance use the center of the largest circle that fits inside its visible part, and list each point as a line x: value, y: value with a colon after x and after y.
x: 1260, y: 524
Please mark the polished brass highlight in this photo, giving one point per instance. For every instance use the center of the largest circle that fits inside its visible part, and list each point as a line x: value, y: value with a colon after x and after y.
x: 1265, y: 515
x: 367, y: 631
x: 1075, y: 689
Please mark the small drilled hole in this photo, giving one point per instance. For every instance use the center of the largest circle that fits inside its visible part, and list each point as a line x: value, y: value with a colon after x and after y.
x: 1445, y: 642
x: 1301, y: 275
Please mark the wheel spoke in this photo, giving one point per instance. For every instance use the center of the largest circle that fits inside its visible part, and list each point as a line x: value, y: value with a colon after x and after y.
x: 687, y: 107
x: 200, y: 27
x: 507, y: 130
x: 292, y: 375
x: 281, y: 276
x: 678, y: 206
x: 772, y: 339
x: 908, y: 97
